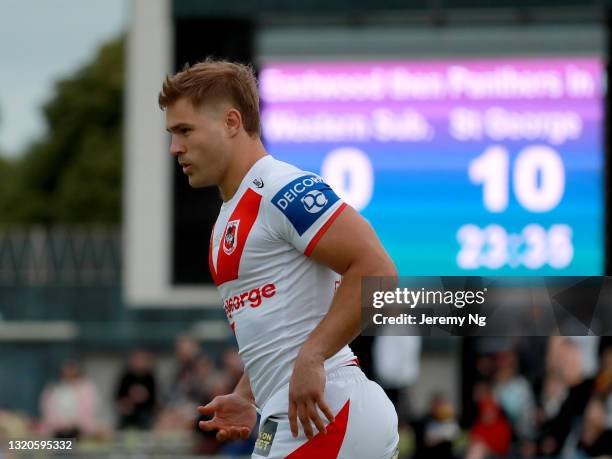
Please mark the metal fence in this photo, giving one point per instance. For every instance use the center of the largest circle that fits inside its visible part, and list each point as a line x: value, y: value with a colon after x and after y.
x: 60, y: 256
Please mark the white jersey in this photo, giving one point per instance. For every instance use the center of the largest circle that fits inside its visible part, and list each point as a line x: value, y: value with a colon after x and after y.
x: 274, y: 295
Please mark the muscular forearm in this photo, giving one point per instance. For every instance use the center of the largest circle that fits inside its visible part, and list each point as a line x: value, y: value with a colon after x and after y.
x: 243, y: 388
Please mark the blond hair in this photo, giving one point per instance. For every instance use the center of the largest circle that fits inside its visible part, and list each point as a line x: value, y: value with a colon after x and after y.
x: 215, y: 81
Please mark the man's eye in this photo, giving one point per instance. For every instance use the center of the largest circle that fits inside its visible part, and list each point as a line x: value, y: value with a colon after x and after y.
x: 185, y: 131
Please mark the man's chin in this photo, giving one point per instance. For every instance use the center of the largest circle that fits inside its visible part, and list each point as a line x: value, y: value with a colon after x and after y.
x: 195, y: 183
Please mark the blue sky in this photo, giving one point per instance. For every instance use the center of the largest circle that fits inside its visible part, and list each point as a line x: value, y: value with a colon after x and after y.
x: 42, y: 41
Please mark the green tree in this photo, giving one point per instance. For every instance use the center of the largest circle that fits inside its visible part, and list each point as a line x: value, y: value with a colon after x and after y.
x: 5, y: 174
x: 73, y: 174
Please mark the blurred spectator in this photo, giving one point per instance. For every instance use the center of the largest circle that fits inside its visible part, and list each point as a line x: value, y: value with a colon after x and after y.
x: 513, y: 392
x: 491, y: 345
x: 554, y: 392
x: 187, y: 382
x: 554, y: 355
x: 491, y: 433
x: 485, y: 367
x: 588, y: 347
x: 69, y: 407
x: 605, y: 385
x: 605, y: 342
x: 603, y: 382
x: 193, y: 383
x: 531, y: 352
x: 178, y: 413
x: 219, y: 383
x: 397, y: 366
x: 204, y: 375
x: 136, y: 392
x: 224, y: 382
x: 596, y: 436
x: 211, y: 381
x: 232, y: 365
x: 436, y: 432
x: 557, y: 430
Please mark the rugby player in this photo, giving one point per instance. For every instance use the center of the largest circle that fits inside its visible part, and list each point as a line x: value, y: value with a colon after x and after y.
x: 279, y: 247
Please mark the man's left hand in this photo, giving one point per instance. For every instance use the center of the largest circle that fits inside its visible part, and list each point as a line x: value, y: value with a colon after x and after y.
x: 306, y: 394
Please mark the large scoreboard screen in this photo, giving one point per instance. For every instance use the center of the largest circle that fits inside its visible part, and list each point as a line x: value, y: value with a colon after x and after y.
x: 491, y: 167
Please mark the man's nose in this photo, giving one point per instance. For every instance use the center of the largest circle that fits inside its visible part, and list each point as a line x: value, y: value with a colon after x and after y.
x: 176, y: 148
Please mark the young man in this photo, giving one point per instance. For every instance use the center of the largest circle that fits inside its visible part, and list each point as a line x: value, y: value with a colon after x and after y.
x: 277, y: 251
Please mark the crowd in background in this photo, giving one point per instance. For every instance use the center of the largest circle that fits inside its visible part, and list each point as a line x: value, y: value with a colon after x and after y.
x: 543, y: 397
x: 531, y: 397
x: 70, y: 406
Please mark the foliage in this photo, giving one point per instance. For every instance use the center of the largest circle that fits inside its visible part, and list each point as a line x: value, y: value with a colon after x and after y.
x: 73, y: 174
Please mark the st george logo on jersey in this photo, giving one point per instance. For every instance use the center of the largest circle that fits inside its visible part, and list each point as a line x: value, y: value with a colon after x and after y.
x: 230, y: 240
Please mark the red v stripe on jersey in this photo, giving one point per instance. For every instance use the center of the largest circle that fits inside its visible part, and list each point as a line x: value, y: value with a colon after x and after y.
x: 325, y: 446
x: 246, y: 213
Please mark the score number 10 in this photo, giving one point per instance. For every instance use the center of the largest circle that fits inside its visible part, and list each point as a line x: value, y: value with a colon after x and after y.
x: 538, y: 182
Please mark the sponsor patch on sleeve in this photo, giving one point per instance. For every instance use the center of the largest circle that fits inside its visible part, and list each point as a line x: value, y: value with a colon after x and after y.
x: 304, y: 200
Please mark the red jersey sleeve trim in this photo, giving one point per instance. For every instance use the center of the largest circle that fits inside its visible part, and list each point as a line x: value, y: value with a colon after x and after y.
x: 313, y: 242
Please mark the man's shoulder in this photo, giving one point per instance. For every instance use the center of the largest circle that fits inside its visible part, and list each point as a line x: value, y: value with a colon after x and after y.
x: 280, y: 177
x: 298, y: 196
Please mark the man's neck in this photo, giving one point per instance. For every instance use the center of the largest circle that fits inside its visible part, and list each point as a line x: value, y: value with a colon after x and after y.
x: 251, y: 152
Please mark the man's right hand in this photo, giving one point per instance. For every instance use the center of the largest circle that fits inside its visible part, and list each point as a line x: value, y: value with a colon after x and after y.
x: 233, y: 417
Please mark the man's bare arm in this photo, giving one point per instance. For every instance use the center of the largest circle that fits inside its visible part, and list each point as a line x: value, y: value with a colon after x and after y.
x: 351, y: 248
x: 243, y: 388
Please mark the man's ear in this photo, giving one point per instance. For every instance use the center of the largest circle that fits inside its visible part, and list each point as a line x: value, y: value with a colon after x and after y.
x: 233, y: 122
